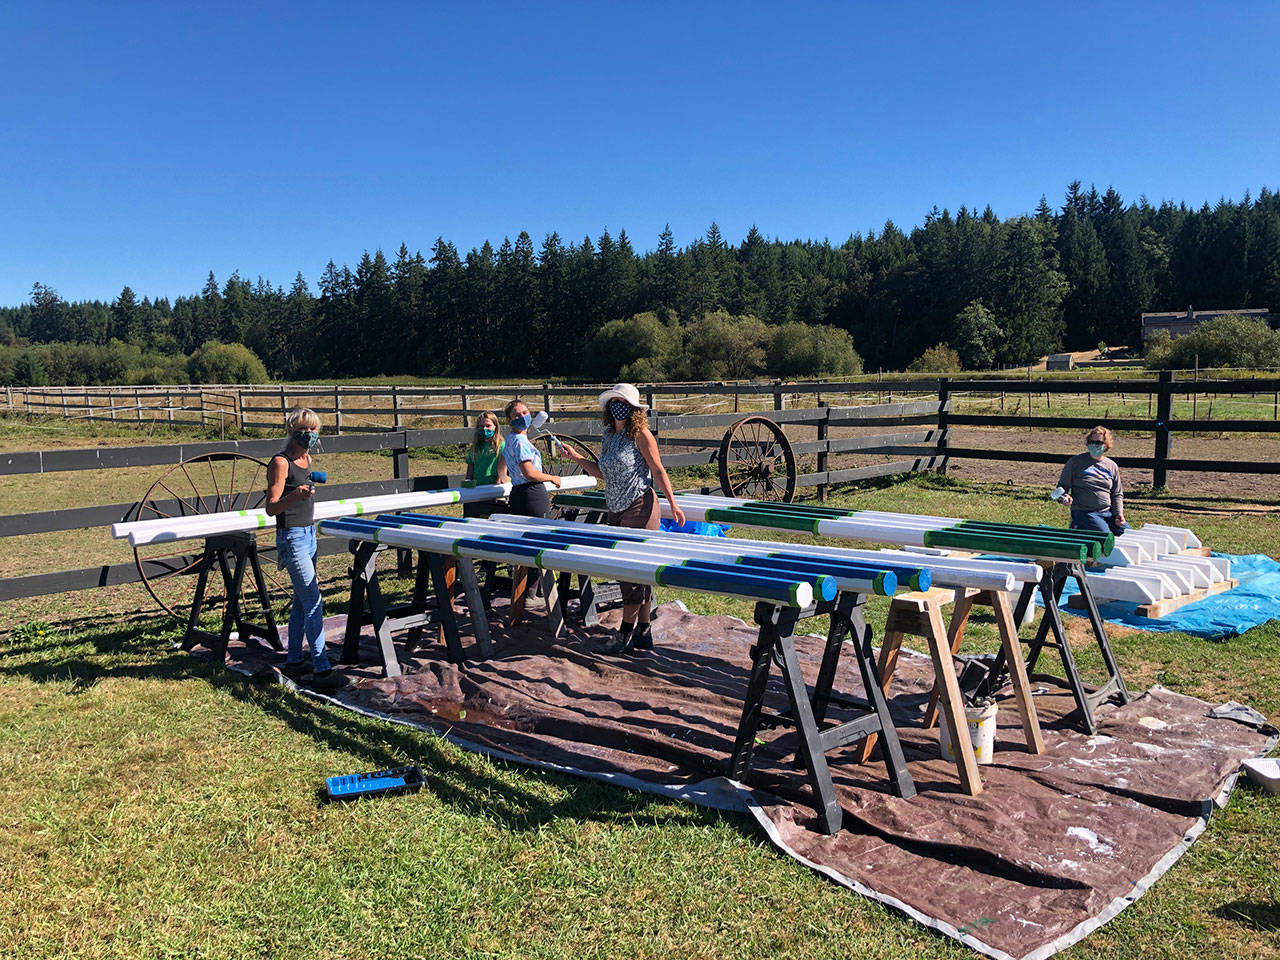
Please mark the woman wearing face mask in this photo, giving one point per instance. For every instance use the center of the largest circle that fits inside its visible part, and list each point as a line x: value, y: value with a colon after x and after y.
x: 485, y: 463
x: 629, y: 463
x: 289, y: 493
x: 1090, y: 485
x: 528, y: 495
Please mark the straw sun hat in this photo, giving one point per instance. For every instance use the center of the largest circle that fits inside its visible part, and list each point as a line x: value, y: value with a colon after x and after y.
x: 623, y: 391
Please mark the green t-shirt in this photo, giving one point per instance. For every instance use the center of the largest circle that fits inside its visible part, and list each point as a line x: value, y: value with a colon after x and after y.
x: 485, y: 464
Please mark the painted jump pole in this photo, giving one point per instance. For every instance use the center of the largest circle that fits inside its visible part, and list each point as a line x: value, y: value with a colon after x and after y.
x: 908, y: 530
x: 165, y: 529
x: 950, y: 572
x: 791, y: 590
x: 881, y: 578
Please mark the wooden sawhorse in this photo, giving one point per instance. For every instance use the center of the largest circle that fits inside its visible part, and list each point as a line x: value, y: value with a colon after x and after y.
x: 366, y: 605
x: 920, y: 615
x: 233, y: 554
x: 775, y: 643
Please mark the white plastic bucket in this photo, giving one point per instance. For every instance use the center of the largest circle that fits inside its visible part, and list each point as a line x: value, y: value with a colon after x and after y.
x: 981, y: 722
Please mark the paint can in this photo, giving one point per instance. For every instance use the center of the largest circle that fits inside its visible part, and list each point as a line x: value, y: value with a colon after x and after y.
x: 981, y: 722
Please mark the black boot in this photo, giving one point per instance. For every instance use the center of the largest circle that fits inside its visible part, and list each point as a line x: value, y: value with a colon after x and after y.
x: 642, y: 639
x: 622, y: 642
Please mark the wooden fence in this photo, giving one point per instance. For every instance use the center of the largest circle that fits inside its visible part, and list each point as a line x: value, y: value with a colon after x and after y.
x: 1161, y: 421
x: 364, y: 409
x: 913, y: 444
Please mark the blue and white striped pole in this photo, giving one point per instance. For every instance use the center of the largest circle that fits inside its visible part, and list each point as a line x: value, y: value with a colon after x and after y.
x: 791, y: 590
x: 850, y: 576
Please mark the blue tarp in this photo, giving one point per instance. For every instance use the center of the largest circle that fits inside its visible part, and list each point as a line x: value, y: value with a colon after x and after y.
x: 1255, y: 601
x: 694, y: 526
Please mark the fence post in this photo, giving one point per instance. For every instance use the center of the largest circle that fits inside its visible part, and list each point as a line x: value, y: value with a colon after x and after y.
x: 944, y: 429
x: 462, y: 395
x: 400, y: 471
x: 395, y: 407
x: 337, y: 408
x: 823, y: 424
x: 1164, y: 413
x: 137, y: 404
x: 653, y: 407
x: 284, y: 410
x: 546, y: 398
x: 8, y: 392
x: 779, y: 403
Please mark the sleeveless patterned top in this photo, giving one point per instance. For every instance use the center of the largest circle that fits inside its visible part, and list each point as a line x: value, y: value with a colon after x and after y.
x: 626, y: 475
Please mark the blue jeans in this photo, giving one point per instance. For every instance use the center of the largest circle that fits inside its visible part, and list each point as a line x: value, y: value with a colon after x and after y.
x: 296, y: 552
x: 1100, y: 520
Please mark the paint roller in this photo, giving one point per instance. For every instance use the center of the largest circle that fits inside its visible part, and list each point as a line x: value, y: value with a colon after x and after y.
x: 540, y: 420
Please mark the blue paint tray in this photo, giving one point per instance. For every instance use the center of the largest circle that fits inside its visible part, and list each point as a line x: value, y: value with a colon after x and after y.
x: 374, y: 784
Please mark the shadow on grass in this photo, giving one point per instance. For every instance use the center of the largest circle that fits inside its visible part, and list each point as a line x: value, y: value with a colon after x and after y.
x: 1264, y: 917
x: 143, y: 650
x: 461, y: 782
x: 140, y: 649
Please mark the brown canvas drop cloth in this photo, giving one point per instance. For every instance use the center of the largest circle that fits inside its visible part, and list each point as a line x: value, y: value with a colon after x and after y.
x: 1054, y: 846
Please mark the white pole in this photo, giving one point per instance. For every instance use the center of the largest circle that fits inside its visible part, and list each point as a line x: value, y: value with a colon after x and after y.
x: 166, y: 529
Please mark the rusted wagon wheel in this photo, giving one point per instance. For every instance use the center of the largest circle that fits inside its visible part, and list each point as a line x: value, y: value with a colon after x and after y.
x: 554, y: 461
x: 757, y: 462
x: 209, y: 483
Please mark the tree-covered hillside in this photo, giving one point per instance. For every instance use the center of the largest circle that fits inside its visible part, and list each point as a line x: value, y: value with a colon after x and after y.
x: 996, y: 291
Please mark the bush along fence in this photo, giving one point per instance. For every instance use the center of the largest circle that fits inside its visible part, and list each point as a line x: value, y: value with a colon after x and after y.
x: 911, y: 446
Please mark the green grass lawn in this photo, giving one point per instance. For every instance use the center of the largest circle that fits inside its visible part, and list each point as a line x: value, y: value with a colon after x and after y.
x: 153, y: 806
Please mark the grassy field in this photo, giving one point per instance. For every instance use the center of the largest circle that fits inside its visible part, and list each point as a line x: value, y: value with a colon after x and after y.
x: 154, y: 807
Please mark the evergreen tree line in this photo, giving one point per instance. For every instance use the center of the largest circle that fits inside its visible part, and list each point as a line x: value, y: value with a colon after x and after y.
x: 997, y: 292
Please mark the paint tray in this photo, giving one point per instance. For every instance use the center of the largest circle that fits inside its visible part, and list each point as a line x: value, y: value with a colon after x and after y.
x: 1265, y: 773
x: 377, y: 783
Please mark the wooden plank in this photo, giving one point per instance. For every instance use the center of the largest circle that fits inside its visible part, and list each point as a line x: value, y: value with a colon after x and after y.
x: 1048, y: 423
x: 953, y: 715
x: 869, y: 473
x: 109, y: 575
x: 1162, y: 608
x: 1046, y: 385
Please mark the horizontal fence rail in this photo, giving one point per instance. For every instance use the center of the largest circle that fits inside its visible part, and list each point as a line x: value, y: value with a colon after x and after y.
x: 918, y: 416
x: 918, y: 446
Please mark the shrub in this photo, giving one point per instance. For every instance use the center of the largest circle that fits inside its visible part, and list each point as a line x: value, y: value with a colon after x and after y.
x: 978, y: 336
x: 28, y: 371
x: 217, y: 362
x: 1228, y: 341
x: 937, y: 359
x: 641, y: 344
x: 721, y: 346
x: 804, y: 350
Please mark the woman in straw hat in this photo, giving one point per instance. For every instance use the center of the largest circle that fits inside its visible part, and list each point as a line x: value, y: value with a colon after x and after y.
x: 629, y: 464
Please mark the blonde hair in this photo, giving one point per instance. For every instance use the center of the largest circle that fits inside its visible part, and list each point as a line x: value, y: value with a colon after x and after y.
x: 478, y: 441
x: 301, y: 418
x: 1101, y: 434
x: 636, y: 421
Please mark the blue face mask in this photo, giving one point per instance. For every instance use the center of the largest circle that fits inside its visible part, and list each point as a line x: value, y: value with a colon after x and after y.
x: 619, y: 409
x: 486, y: 432
x: 1095, y: 449
x: 307, y: 439
x: 521, y: 422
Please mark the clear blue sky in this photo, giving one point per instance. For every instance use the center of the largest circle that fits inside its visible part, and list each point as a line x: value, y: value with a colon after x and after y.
x: 146, y: 144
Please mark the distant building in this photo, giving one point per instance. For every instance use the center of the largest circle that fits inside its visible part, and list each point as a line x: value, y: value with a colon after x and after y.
x: 1179, y: 323
x: 1060, y: 361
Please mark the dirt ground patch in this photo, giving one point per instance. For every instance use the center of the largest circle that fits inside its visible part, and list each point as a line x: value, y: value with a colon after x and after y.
x: 1222, y: 447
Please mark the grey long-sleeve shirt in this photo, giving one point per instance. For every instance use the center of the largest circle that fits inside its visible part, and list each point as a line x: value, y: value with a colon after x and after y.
x: 1094, y: 485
